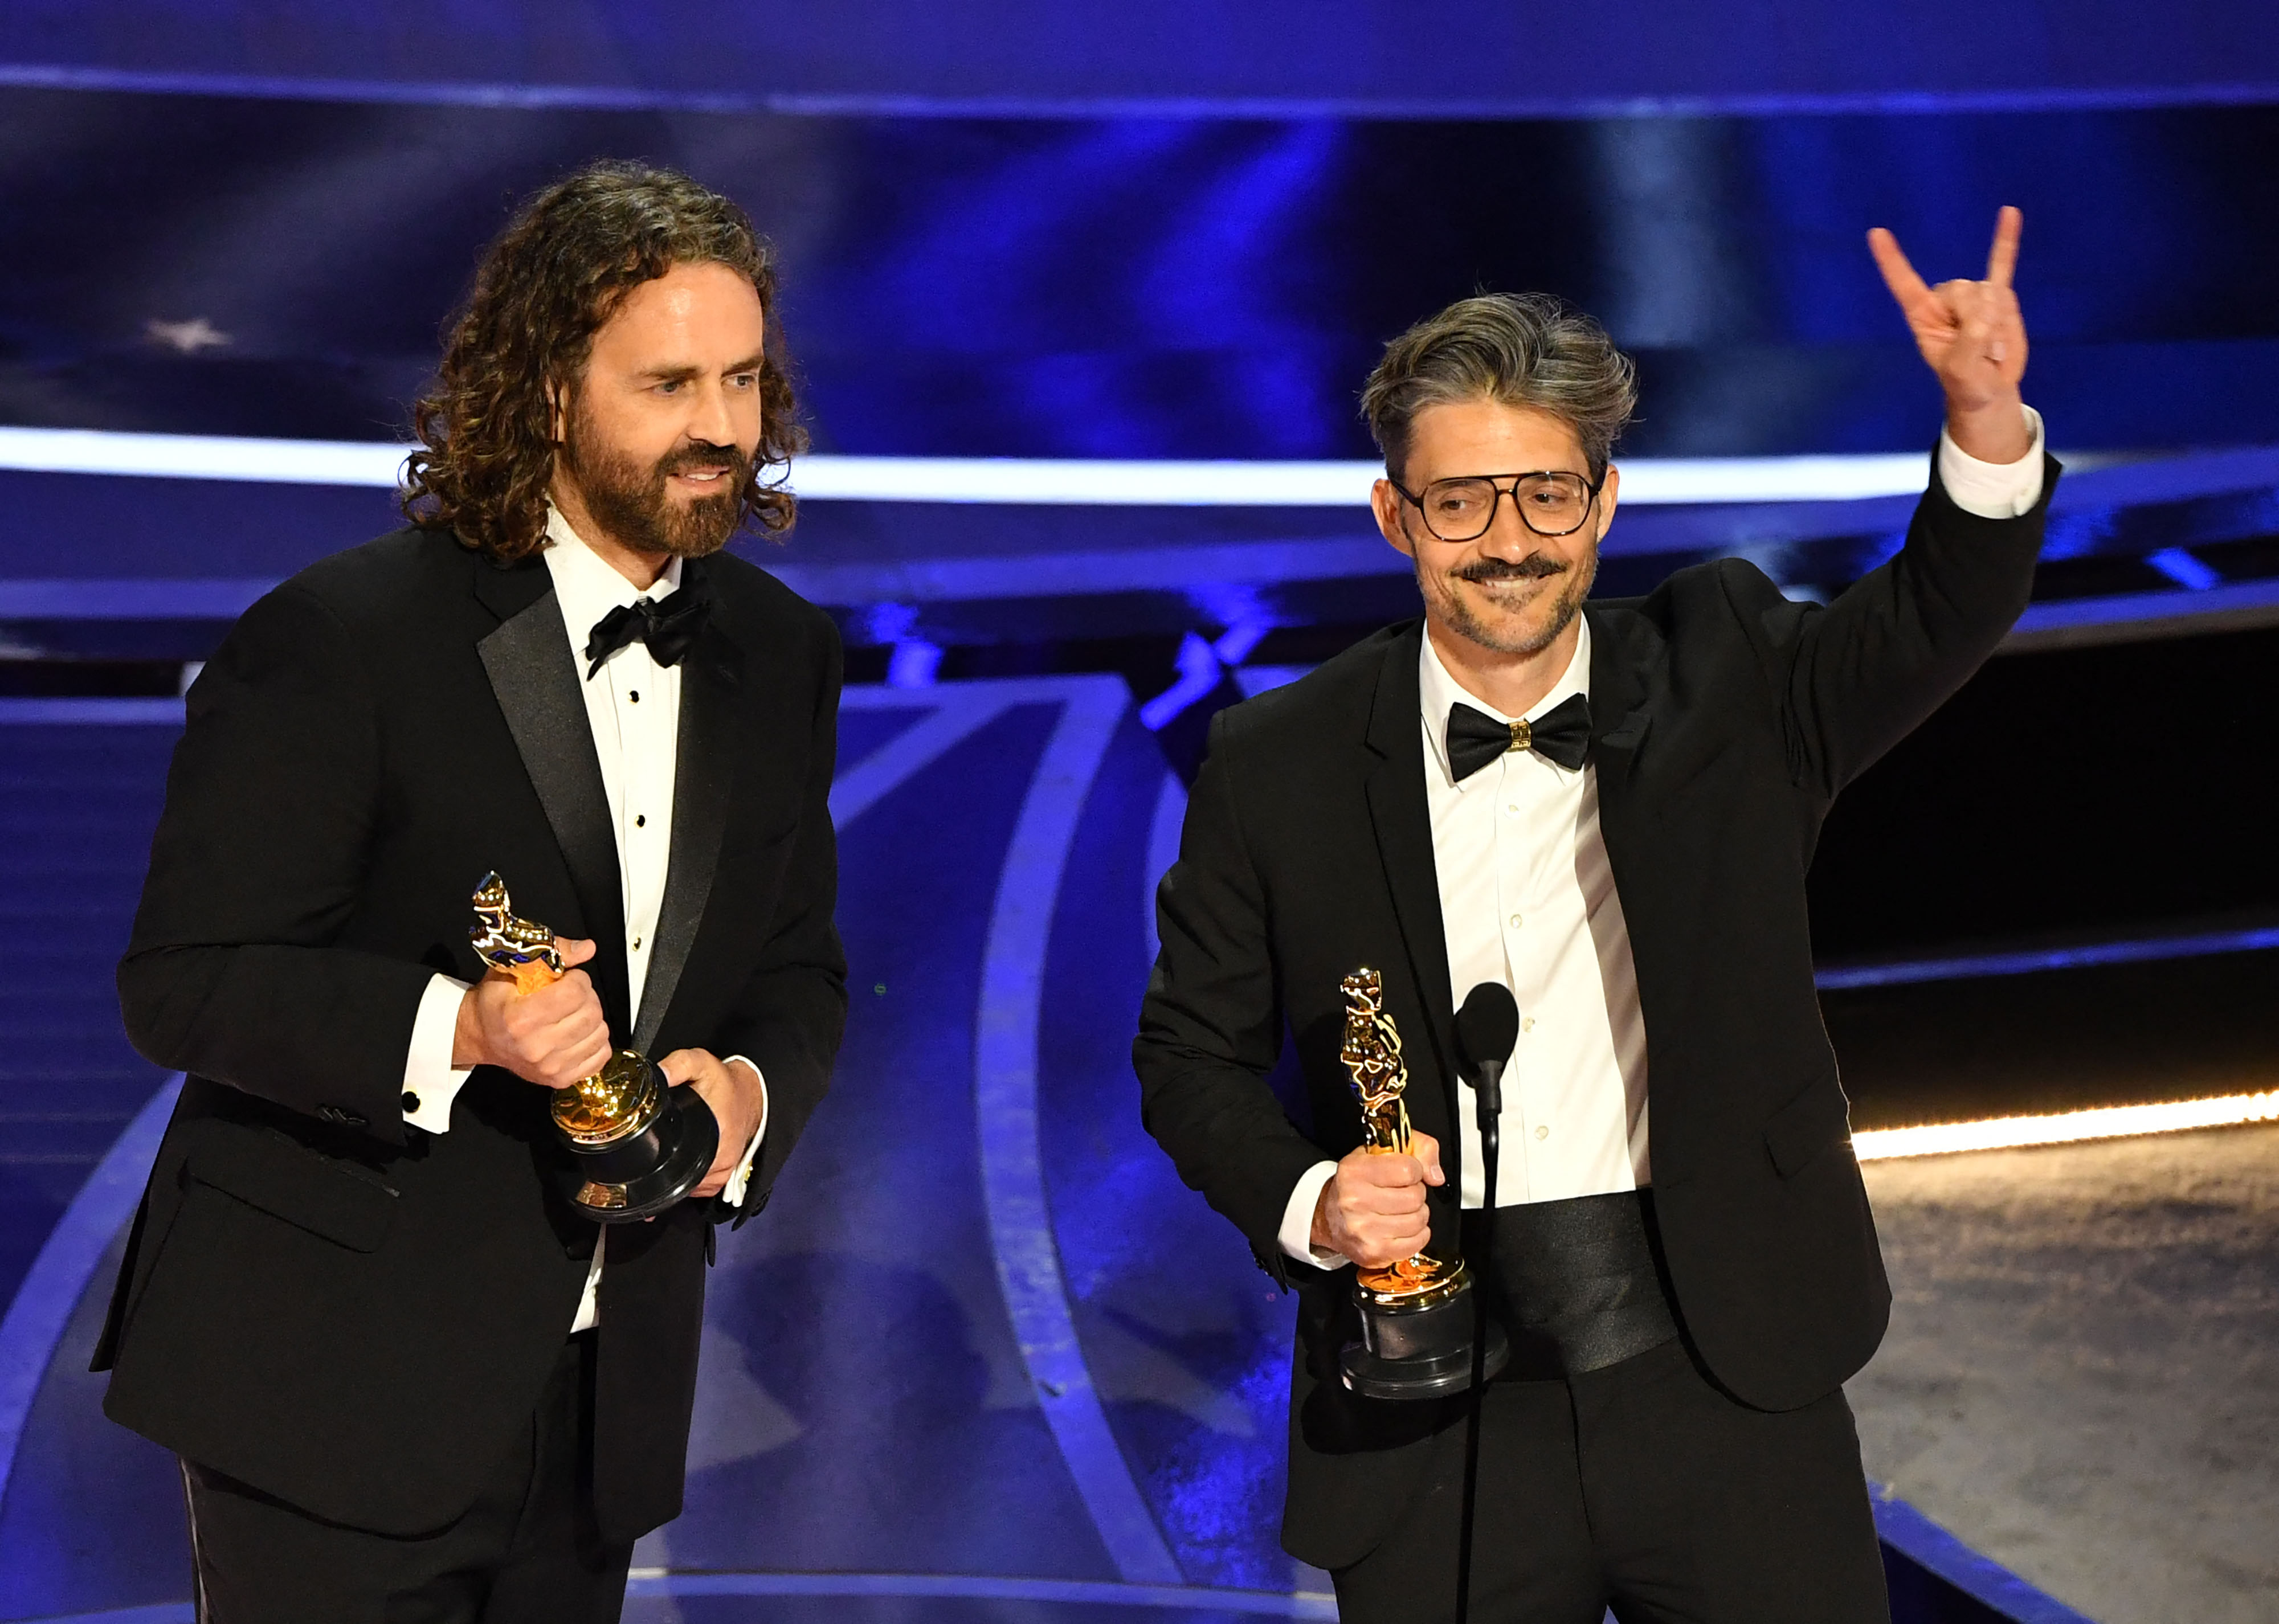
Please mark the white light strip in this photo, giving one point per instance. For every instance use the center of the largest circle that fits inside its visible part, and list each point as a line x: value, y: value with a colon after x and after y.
x: 1077, y: 482
x: 2065, y: 1127
x: 202, y: 456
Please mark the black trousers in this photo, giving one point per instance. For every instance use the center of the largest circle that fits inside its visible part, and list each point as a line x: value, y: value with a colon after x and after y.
x: 1643, y: 1487
x: 524, y: 1553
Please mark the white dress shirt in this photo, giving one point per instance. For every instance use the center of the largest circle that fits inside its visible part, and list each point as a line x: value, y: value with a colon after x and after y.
x: 1527, y: 898
x: 633, y: 704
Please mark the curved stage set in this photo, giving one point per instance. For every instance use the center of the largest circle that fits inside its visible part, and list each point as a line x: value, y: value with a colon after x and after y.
x: 983, y: 1359
x: 1080, y: 298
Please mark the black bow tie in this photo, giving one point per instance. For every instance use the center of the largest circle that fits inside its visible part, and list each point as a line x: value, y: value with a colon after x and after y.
x: 669, y: 628
x: 1560, y: 734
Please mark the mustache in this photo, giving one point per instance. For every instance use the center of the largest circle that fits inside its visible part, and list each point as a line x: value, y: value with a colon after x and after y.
x: 705, y: 459
x: 1534, y: 567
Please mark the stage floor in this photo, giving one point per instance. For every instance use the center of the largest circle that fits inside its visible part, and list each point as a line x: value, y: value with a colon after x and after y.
x: 2082, y: 1371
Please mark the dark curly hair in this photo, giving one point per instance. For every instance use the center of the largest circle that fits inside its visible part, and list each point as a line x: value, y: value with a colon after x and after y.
x: 547, y: 285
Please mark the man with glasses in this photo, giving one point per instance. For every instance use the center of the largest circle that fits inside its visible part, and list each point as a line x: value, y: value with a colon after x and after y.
x: 1609, y: 807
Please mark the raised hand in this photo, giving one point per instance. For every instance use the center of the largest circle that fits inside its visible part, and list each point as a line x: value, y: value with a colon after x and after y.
x: 1974, y: 337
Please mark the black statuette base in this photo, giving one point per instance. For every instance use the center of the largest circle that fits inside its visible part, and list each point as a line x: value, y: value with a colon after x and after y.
x: 639, y: 1177
x: 1418, y: 1353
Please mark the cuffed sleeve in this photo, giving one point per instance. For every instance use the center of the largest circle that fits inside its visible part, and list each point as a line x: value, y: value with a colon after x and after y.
x: 732, y: 1192
x: 1993, y: 490
x: 431, y: 1083
x: 1298, y: 1219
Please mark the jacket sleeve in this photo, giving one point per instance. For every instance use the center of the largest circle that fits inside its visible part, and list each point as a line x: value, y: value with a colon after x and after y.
x: 1210, y: 1027
x: 231, y: 972
x: 1855, y: 677
x: 791, y: 1011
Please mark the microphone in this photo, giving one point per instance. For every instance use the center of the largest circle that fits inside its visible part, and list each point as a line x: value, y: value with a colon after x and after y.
x: 1487, y: 1028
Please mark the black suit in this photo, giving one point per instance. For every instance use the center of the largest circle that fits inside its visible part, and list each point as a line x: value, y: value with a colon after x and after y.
x: 353, y: 1316
x: 1725, y: 720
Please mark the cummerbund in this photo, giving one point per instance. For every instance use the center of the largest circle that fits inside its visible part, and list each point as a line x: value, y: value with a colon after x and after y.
x: 1574, y: 1283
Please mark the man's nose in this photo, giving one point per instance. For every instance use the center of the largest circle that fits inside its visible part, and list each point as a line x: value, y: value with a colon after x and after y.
x: 1508, y: 535
x: 711, y: 421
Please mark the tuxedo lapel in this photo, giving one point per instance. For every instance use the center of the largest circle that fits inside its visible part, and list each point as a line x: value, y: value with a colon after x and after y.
x: 1619, y: 718
x: 704, y: 772
x: 535, y: 681
x: 1402, y: 819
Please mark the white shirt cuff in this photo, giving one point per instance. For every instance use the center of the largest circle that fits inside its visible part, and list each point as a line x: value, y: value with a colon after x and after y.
x: 1993, y: 490
x: 431, y: 1083
x: 733, y: 1192
x: 1297, y: 1236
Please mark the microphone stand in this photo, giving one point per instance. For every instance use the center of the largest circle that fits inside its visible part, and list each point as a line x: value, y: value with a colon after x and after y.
x: 1487, y: 1086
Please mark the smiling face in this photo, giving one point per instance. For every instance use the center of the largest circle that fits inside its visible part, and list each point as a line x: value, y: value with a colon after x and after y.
x: 1511, y: 592
x: 660, y: 432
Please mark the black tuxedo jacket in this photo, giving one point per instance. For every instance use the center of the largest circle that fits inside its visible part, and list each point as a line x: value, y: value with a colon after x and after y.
x: 355, y: 1315
x: 1725, y: 720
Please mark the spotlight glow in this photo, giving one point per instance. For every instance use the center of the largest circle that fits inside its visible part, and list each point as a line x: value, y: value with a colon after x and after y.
x: 2065, y: 1127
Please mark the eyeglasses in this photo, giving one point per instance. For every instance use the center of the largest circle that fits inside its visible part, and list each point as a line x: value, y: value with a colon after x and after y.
x: 1549, y: 502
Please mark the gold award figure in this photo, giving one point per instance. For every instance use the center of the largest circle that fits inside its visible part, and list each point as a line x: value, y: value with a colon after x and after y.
x: 1417, y: 1314
x: 637, y: 1145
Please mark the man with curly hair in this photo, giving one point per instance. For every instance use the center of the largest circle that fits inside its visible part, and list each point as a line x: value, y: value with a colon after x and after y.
x: 404, y: 1377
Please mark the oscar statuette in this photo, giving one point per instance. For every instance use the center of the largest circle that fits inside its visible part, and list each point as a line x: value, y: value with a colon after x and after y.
x: 1417, y: 1315
x: 636, y: 1144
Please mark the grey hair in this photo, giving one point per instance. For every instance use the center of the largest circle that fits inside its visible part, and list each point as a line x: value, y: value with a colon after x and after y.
x: 1521, y: 350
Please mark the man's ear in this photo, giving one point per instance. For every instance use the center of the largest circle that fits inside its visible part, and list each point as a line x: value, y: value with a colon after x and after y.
x: 558, y: 425
x: 1609, y: 498
x: 1385, y: 502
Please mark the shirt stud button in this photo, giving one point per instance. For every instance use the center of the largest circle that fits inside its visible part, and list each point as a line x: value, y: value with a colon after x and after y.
x: 1527, y: 1023
x: 635, y: 694
x: 641, y: 821
x: 1515, y: 922
x: 636, y: 941
x: 1543, y: 1133
x: 411, y: 1102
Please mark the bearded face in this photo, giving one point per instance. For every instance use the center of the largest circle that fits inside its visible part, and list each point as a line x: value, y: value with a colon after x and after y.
x: 650, y: 505
x: 659, y: 436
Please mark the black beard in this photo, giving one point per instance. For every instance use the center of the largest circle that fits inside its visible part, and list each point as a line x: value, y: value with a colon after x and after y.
x: 631, y: 504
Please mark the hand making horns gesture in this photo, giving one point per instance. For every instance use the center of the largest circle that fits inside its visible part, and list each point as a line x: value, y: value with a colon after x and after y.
x: 1974, y: 338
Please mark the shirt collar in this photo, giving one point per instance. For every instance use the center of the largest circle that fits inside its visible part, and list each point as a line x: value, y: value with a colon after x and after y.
x: 1439, y: 691
x: 585, y: 584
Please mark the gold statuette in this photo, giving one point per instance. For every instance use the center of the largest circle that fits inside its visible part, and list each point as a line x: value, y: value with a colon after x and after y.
x: 638, y: 1146
x: 1371, y: 1053
x: 1417, y: 1314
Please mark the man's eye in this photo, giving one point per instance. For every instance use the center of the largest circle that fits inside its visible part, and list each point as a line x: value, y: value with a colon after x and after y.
x: 745, y: 381
x: 671, y: 385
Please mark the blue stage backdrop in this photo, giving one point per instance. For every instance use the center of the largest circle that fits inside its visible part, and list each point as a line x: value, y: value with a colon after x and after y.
x: 1157, y: 286
x: 1367, y: 54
